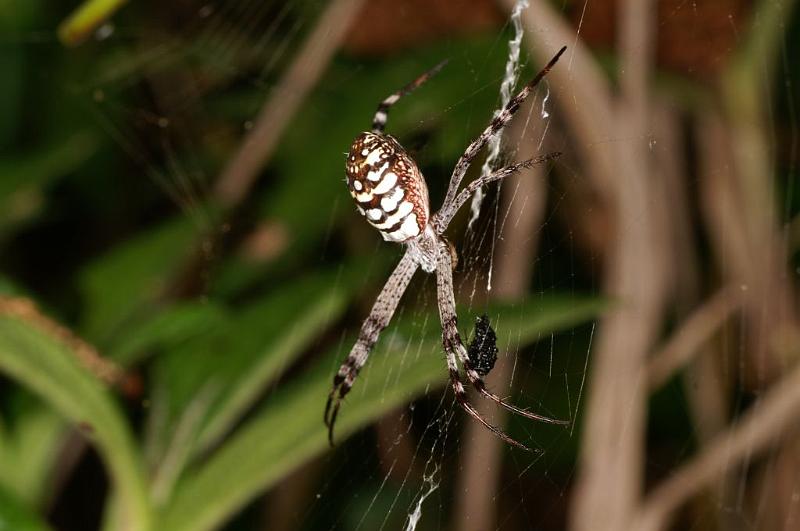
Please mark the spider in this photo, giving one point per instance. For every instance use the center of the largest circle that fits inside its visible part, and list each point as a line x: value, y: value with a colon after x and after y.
x: 390, y: 191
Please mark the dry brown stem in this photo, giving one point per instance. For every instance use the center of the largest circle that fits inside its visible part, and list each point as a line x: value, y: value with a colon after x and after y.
x: 308, y: 66
x: 613, y: 439
x: 746, y: 261
x: 770, y: 314
x: 704, y: 385
x: 760, y: 264
x: 613, y: 444
x: 25, y: 309
x: 698, y: 328
x: 288, y: 503
x: 739, y: 206
x: 774, y: 416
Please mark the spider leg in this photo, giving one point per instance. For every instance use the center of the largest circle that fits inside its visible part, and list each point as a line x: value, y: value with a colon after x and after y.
x: 497, y: 123
x: 379, y: 317
x: 381, y: 114
x: 480, y: 386
x: 453, y: 343
x: 463, y: 401
x: 444, y: 216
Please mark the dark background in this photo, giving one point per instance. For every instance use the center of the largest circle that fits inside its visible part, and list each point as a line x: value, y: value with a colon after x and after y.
x: 182, y: 268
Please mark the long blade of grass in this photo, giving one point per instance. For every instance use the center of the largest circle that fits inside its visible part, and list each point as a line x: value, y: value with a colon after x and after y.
x: 15, y: 516
x: 232, y: 368
x: 29, y: 450
x: 44, y: 364
x: 85, y: 19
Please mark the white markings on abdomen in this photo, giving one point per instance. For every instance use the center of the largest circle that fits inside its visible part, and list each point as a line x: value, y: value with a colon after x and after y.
x: 387, y: 187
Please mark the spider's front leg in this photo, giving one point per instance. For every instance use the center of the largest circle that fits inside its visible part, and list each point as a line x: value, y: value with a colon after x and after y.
x: 498, y: 123
x: 445, y: 215
x: 379, y: 317
x: 455, y: 348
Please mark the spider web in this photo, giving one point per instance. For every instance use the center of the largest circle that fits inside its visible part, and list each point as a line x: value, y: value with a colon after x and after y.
x: 172, y: 100
x: 441, y: 427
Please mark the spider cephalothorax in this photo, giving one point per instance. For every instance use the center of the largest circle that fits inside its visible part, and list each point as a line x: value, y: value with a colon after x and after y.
x: 390, y: 191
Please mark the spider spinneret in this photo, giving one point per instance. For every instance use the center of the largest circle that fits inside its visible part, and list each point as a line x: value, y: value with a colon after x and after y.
x: 391, y: 193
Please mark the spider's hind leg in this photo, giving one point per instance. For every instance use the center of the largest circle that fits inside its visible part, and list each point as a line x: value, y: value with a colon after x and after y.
x: 479, y: 385
x: 455, y: 347
x: 463, y: 401
x: 474, y: 376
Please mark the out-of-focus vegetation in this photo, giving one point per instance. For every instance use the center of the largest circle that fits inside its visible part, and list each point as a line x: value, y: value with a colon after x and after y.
x: 191, y: 347
x: 166, y: 354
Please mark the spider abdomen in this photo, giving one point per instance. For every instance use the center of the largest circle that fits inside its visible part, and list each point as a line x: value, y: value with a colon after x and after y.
x: 387, y: 186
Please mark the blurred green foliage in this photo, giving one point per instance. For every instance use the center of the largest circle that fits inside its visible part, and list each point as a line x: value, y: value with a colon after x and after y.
x: 108, y: 224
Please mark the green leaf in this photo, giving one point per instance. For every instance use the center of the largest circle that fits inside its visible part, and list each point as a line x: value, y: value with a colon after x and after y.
x: 26, y: 175
x: 166, y: 329
x: 28, y: 452
x: 127, y: 280
x: 48, y: 367
x: 207, y: 384
x: 285, y: 324
x: 16, y: 516
x: 289, y: 430
x: 45, y: 164
x: 85, y: 19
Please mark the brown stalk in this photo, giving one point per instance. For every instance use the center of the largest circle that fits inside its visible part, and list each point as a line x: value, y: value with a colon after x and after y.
x: 303, y: 74
x: 727, y: 228
x: 740, y: 215
x: 697, y: 329
x: 613, y: 445
x: 241, y: 172
x: 288, y: 503
x: 705, y: 386
x: 396, y: 453
x: 25, y: 309
x: 770, y: 312
x: 739, y: 208
x: 768, y: 421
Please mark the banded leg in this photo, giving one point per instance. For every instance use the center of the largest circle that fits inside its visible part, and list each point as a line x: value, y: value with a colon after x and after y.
x: 379, y: 317
x: 381, y: 115
x: 452, y: 339
x: 463, y: 401
x: 499, y: 122
x: 446, y: 213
